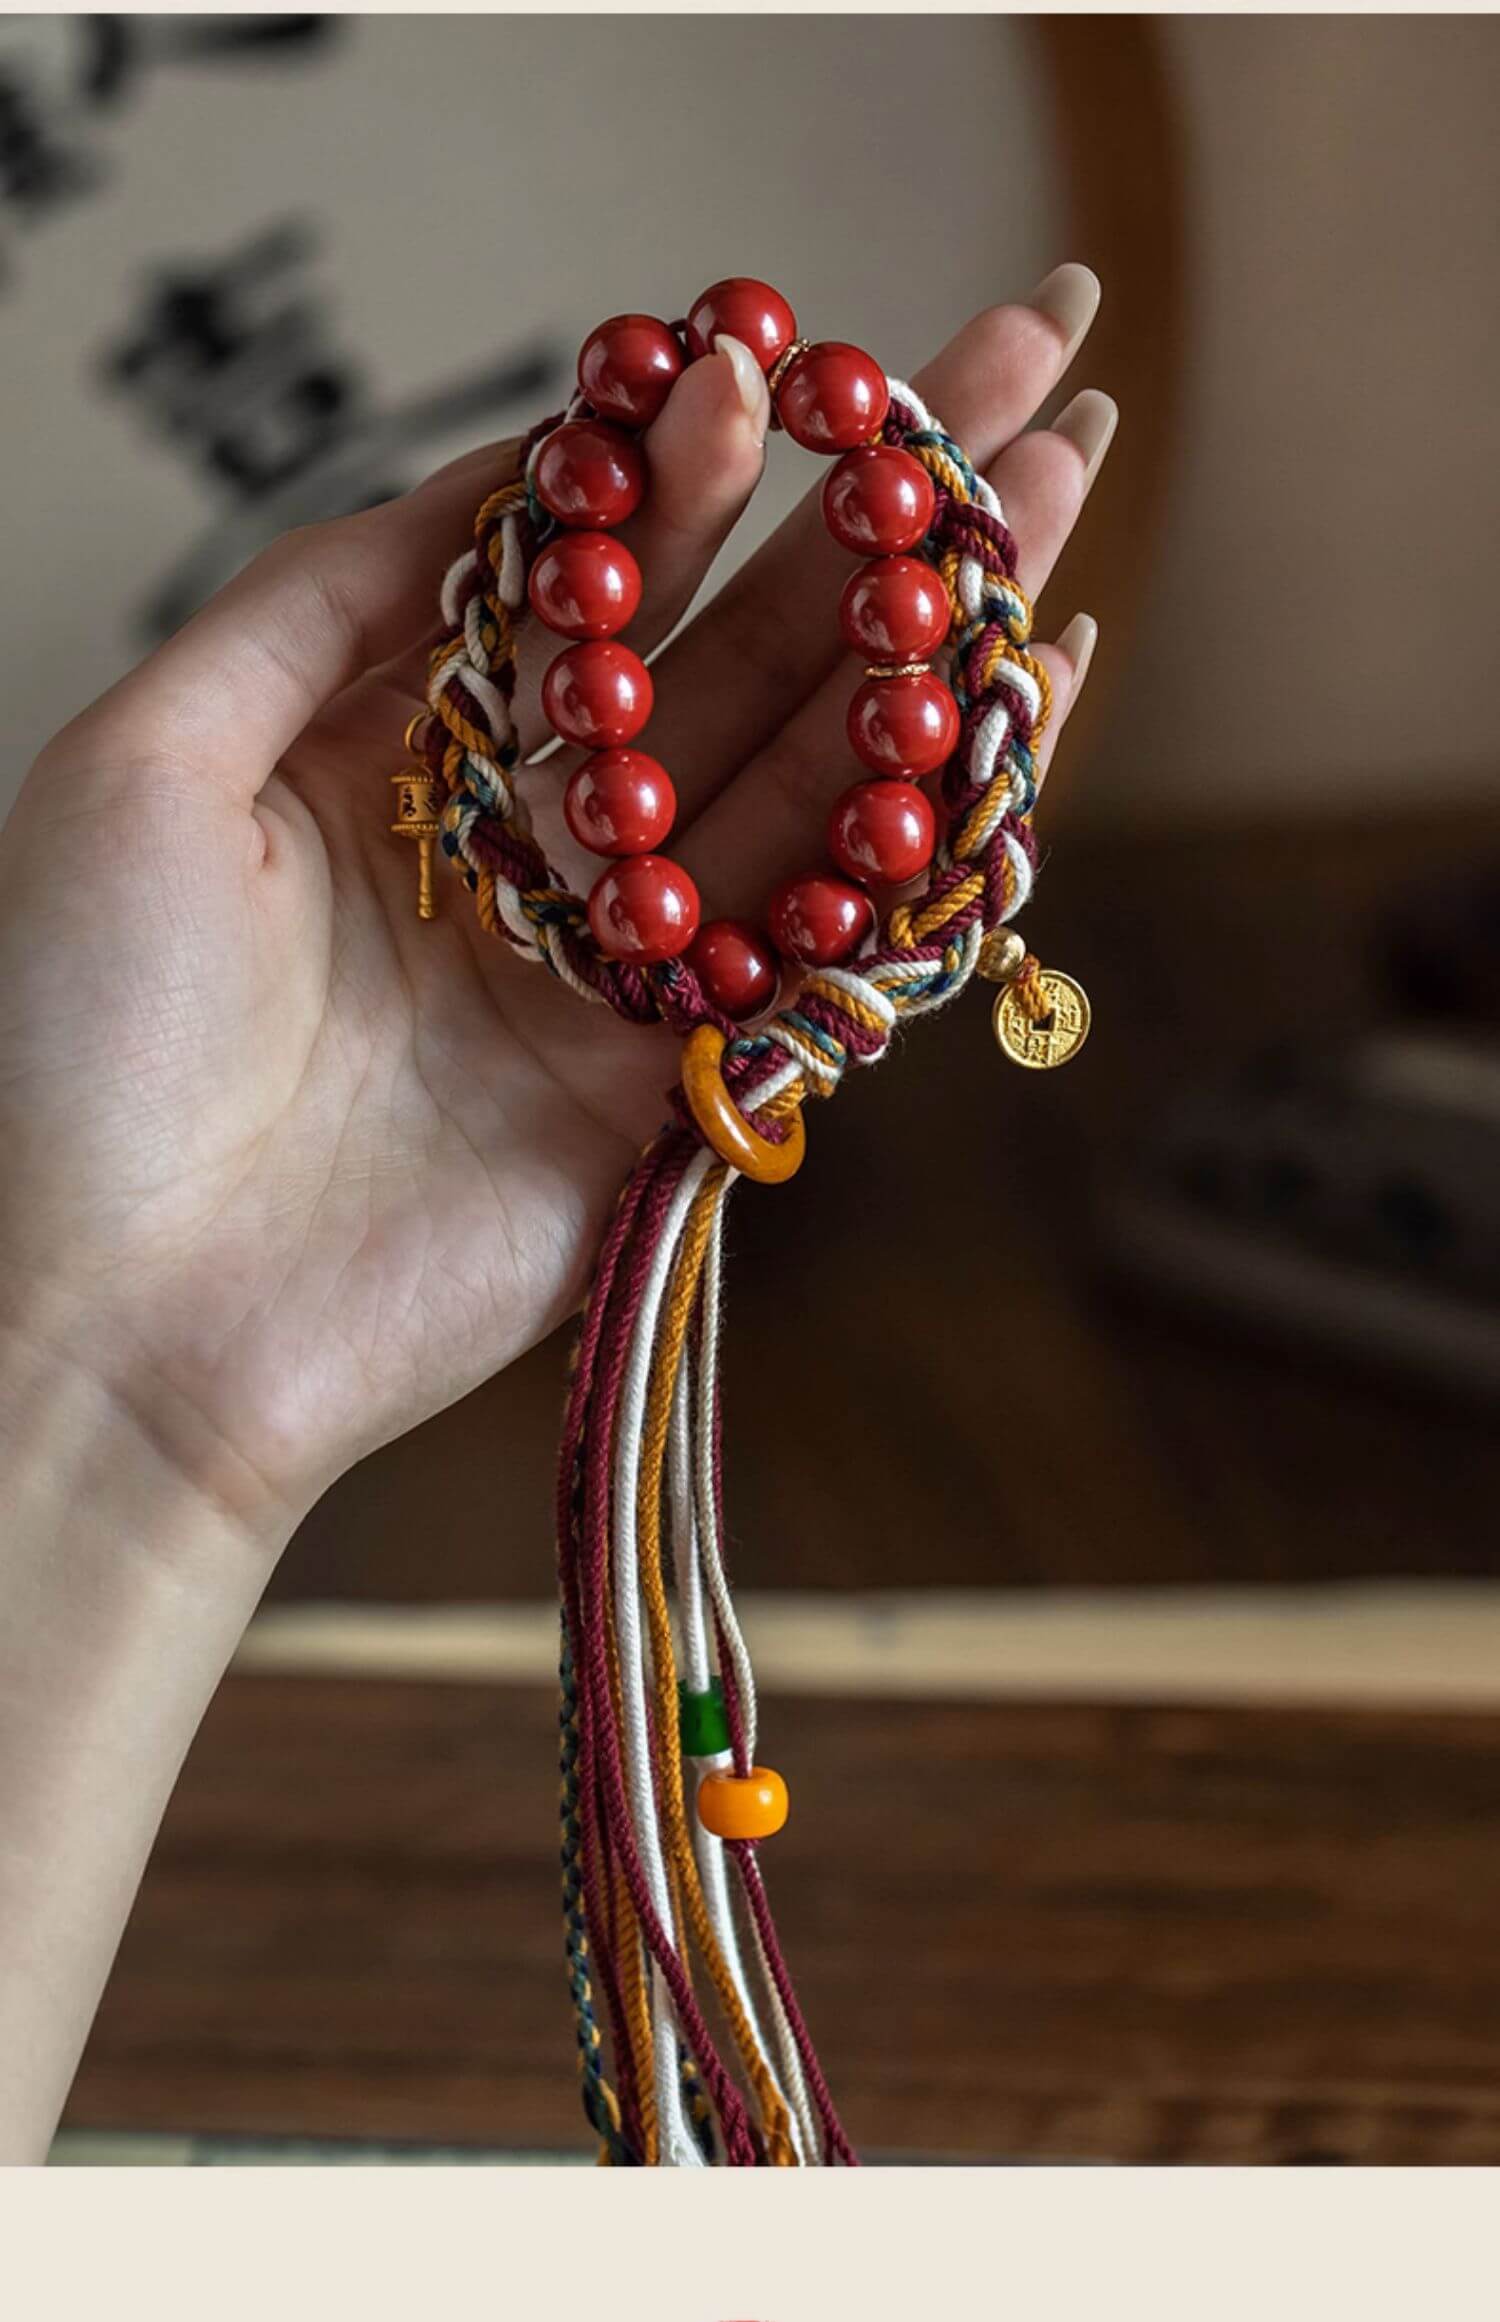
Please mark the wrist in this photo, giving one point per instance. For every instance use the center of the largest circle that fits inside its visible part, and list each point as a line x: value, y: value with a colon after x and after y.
x: 124, y: 1590
x: 95, y: 1452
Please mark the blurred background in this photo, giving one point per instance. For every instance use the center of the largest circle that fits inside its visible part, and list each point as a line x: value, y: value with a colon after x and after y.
x: 1138, y: 1672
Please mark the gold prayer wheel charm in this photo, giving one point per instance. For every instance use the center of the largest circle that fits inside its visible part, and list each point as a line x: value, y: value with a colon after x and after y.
x: 419, y: 806
x: 1041, y: 1017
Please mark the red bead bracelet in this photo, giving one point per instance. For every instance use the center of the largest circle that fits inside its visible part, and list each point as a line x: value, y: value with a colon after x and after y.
x: 938, y: 568
x: 589, y: 475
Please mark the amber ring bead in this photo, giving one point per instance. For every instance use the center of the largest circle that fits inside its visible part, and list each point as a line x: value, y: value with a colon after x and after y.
x: 724, y: 1126
x: 737, y: 1807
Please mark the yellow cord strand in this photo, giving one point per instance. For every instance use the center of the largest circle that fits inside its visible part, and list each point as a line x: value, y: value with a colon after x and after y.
x: 673, y: 1329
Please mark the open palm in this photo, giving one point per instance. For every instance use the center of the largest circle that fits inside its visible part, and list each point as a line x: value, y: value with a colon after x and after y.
x: 286, y: 1168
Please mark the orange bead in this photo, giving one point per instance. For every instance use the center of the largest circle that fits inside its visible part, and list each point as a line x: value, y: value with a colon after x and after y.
x: 752, y: 1805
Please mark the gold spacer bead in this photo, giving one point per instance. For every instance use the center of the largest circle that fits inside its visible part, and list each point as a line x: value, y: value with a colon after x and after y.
x: 779, y: 370
x: 1002, y: 955
x: 897, y: 668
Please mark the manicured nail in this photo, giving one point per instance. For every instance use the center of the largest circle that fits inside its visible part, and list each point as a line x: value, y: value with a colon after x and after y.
x: 750, y: 379
x: 1088, y: 423
x: 1069, y: 296
x: 1077, y: 642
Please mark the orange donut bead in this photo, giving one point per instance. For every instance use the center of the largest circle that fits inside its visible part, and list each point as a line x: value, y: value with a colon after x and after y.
x: 724, y: 1126
x: 752, y: 1805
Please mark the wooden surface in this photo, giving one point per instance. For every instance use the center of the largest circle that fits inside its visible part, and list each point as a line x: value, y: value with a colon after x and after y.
x: 1020, y: 1931
x: 1044, y: 1432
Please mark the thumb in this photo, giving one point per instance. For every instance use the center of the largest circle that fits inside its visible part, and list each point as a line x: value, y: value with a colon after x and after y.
x: 239, y: 681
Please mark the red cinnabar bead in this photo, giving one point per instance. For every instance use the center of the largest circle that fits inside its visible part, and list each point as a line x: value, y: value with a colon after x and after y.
x: 599, y: 695
x: 879, y: 500
x: 590, y: 473
x: 644, y: 909
x: 620, y: 802
x: 903, y: 725
x: 882, y: 830
x: 747, y: 310
x: 584, y: 584
x: 626, y: 368
x: 894, y: 609
x: 736, y: 966
x: 818, y: 919
x: 832, y: 396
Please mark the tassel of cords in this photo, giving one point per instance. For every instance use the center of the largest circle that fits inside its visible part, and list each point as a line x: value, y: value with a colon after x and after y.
x: 655, y: 1902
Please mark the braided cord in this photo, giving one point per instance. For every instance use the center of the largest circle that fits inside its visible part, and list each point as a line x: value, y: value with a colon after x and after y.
x: 599, y: 2100
x: 985, y: 865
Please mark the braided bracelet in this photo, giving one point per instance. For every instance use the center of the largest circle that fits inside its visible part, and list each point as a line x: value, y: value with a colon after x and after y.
x: 662, y: 1889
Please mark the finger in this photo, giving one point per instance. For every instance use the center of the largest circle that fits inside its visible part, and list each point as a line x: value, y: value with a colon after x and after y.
x: 771, y: 634
x: 237, y: 684
x: 1043, y: 479
x: 1067, y: 665
x: 737, y: 884
x: 705, y: 452
x: 769, y: 821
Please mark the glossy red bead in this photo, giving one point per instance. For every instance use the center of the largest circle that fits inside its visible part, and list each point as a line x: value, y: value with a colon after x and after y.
x: 620, y: 802
x: 583, y: 584
x: 643, y: 909
x: 736, y: 965
x: 882, y: 830
x: 894, y: 609
x: 626, y: 368
x: 747, y: 310
x: 879, y: 501
x: 598, y: 695
x: 832, y: 396
x: 906, y: 726
x: 819, y: 919
x: 590, y: 473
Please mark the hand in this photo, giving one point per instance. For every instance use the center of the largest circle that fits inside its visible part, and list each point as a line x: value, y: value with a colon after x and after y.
x: 286, y: 1169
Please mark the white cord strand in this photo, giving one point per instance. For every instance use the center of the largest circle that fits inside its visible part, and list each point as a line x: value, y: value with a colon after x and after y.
x: 683, y: 2150
x: 715, y: 1578
x: 697, y: 1659
x: 697, y: 1663
x: 788, y: 2056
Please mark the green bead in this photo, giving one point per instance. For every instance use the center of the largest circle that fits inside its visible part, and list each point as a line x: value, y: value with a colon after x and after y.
x: 702, y: 1726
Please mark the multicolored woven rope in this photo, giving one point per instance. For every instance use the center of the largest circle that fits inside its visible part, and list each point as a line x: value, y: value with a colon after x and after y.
x: 652, y: 1901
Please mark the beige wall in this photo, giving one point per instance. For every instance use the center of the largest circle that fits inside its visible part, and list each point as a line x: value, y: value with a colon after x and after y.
x: 1317, y: 616
x: 1320, y: 625
x: 480, y: 182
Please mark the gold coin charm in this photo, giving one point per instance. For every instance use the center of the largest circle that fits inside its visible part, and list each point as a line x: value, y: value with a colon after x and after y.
x: 1040, y: 1042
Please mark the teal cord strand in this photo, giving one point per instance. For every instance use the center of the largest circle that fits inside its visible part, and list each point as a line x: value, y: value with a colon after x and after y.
x: 596, y: 2102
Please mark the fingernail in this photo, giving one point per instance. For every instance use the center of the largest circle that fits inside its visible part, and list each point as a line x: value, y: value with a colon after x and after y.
x: 1077, y: 642
x: 750, y: 379
x: 1088, y: 423
x: 1069, y: 296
